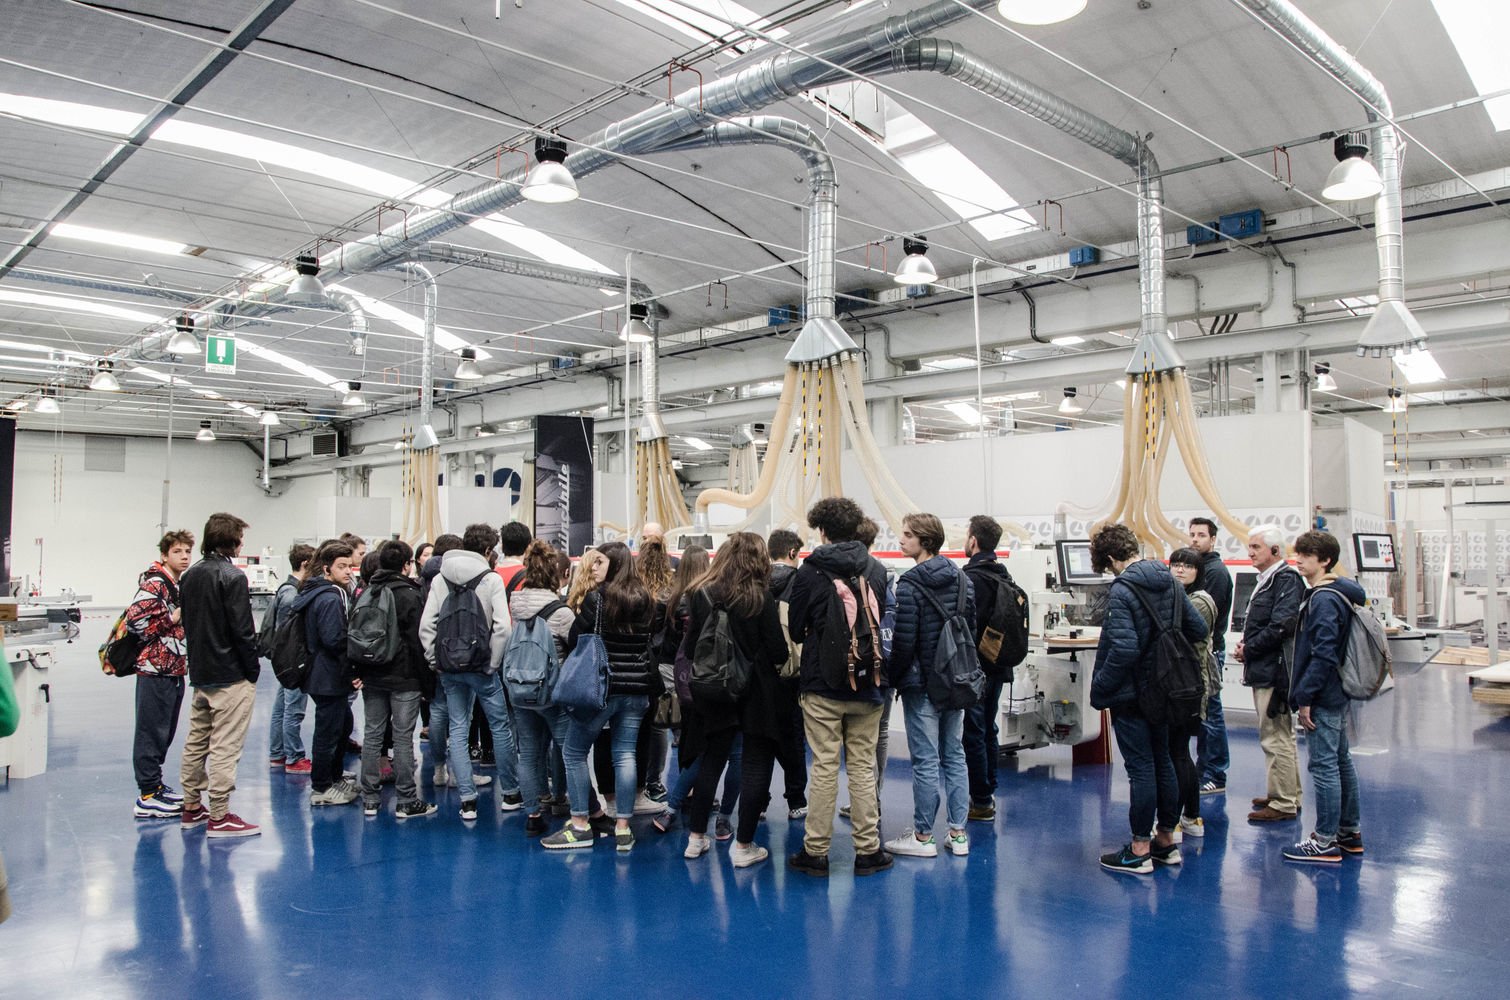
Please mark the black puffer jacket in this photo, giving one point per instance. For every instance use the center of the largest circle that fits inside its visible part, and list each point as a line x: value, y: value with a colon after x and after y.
x: 760, y: 638
x: 324, y: 607
x: 1216, y: 580
x: 409, y: 671
x: 811, y: 591
x: 918, y: 623
x: 1127, y: 632
x: 217, y: 618
x: 1269, y: 630
x: 632, y: 668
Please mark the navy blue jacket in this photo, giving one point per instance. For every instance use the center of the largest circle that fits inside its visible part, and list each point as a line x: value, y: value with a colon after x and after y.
x: 1216, y: 580
x: 324, y: 608
x: 1269, y: 630
x: 919, y: 624
x: 1126, y: 632
x: 811, y: 591
x: 1320, y: 644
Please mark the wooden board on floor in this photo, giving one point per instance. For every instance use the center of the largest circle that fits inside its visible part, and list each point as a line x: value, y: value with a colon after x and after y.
x: 1464, y: 656
x: 1492, y: 694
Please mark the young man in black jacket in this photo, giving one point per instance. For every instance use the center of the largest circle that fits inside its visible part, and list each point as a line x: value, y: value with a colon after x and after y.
x: 984, y: 571
x: 1266, y: 654
x: 223, y: 667
x: 391, y: 691
x: 1216, y: 580
x: 324, y: 600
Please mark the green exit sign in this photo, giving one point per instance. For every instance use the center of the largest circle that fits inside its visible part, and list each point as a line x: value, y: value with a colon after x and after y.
x: 220, y: 355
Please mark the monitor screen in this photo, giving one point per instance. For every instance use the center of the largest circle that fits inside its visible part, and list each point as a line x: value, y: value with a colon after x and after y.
x: 1075, y: 564
x: 1375, y: 553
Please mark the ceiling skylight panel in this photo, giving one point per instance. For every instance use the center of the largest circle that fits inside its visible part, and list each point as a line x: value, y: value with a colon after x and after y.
x: 444, y: 338
x: 1481, y: 32
x: 69, y: 114
x: 67, y: 303
x: 112, y: 238
x: 702, y: 20
x: 536, y: 243
x: 968, y: 191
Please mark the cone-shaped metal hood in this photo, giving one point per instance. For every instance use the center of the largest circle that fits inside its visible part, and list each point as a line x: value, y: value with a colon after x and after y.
x: 1390, y: 329
x: 821, y: 337
x: 1154, y: 352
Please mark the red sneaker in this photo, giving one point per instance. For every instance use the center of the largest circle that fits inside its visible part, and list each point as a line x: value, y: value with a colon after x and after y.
x: 231, y: 825
x: 194, y: 816
x: 276, y: 763
x: 300, y: 767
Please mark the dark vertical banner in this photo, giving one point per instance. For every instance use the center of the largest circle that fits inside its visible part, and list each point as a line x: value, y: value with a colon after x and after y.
x: 7, y: 490
x: 564, y: 482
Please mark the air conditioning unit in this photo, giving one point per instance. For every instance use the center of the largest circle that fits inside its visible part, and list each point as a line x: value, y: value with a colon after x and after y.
x: 325, y: 444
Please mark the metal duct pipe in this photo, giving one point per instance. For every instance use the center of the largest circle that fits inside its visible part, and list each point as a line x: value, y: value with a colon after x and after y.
x: 651, y: 426
x: 1392, y: 325
x: 758, y: 85
x: 427, y: 352
x: 355, y: 315
x: 98, y: 285
x: 447, y: 253
x: 821, y: 336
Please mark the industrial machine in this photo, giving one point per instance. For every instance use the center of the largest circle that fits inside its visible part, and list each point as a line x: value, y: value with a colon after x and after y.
x: 31, y: 624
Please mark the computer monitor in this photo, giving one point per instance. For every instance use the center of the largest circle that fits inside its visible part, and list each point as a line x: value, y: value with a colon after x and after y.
x: 1075, y: 564
x: 1375, y: 553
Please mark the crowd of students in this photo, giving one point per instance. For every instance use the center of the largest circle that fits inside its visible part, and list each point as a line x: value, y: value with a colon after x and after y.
x: 744, y: 661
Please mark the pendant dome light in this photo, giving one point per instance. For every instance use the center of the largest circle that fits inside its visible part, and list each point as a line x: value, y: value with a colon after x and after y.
x: 1039, y: 11
x: 104, y: 378
x: 205, y: 433
x: 353, y: 395
x: 183, y: 340
x: 306, y: 289
x: 270, y: 418
x: 1397, y: 403
x: 636, y: 330
x: 49, y: 401
x: 916, y: 268
x: 1353, y: 178
x: 1068, y: 406
x: 549, y: 181
x: 1324, y: 380
x: 467, y: 371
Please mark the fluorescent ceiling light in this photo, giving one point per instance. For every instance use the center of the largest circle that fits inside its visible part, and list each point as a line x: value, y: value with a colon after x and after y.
x: 1039, y: 11
x: 966, y: 412
x: 1419, y: 367
x: 536, y: 243
x: 702, y: 20
x: 1070, y: 341
x: 110, y: 237
x: 67, y: 303
x: 1481, y: 31
x: 697, y: 444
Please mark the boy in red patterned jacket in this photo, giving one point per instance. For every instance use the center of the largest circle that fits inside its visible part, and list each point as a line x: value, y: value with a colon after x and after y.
x: 155, y: 617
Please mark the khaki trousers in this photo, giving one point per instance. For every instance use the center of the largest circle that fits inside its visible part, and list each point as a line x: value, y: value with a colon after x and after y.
x: 218, y: 717
x: 853, y: 726
x: 1277, y: 738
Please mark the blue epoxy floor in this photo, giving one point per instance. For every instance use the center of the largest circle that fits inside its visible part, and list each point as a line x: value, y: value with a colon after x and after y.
x: 335, y: 905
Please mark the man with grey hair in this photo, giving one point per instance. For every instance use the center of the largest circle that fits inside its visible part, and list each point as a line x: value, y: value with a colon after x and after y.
x: 1265, y: 653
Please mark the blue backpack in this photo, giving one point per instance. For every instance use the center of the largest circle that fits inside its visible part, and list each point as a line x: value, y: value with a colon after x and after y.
x: 531, y: 662
x: 462, y: 632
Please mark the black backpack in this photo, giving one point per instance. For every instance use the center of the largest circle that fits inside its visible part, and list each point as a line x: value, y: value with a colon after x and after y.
x: 290, y: 652
x: 849, y: 658
x: 954, y: 679
x: 372, y: 633
x: 1004, y: 641
x: 269, y: 627
x: 1172, y: 688
x: 462, y: 633
x: 720, y: 669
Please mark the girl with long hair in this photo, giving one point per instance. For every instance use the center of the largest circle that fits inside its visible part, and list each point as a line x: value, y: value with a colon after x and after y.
x: 739, y: 584
x: 535, y: 728
x: 591, y: 569
x: 627, y: 618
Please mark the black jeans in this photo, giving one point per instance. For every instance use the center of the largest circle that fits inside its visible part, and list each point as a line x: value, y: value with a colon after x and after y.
x: 761, y: 753
x: 328, y: 751
x: 980, y: 742
x: 1186, y: 774
x: 158, y: 701
x: 710, y: 767
x: 1150, y: 772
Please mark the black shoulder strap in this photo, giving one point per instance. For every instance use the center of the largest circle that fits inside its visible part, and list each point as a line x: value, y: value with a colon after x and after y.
x: 472, y: 583
x: 548, y: 610
x: 1153, y: 615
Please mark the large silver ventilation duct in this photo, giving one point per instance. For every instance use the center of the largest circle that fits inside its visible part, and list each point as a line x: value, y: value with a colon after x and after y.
x: 487, y: 260
x: 1154, y: 351
x: 751, y: 88
x: 821, y: 336
x: 652, y: 428
x: 424, y: 435
x: 1392, y: 327
x: 99, y: 285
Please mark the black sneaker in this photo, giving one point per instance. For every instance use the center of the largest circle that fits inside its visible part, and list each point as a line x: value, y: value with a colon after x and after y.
x: 869, y: 864
x: 1312, y: 850
x: 534, y: 826
x: 561, y: 808
x: 1169, y: 856
x: 510, y: 802
x: 604, y: 825
x: 809, y: 865
x: 1351, y: 843
x: 411, y: 810
x: 468, y: 810
x: 1125, y: 862
x: 982, y: 812
x: 656, y: 791
x: 370, y: 807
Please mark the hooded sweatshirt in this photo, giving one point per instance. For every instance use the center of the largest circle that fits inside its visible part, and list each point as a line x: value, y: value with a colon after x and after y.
x: 811, y: 589
x: 1127, y: 633
x: 457, y: 567
x: 1321, y: 643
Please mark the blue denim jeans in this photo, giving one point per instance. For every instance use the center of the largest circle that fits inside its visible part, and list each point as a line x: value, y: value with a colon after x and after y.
x: 462, y: 690
x: 440, y: 725
x: 1154, y: 788
x: 625, y: 711
x: 1331, y: 767
x: 980, y: 742
x: 535, y: 730
x: 681, y: 789
x: 283, y: 739
x: 932, y: 735
x: 1212, y: 757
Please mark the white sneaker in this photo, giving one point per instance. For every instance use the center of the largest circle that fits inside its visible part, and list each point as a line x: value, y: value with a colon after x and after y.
x: 1192, y: 827
x: 957, y: 844
x: 478, y: 780
x: 697, y: 847
x: 338, y: 794
x: 644, y: 805
x: 909, y: 846
x: 442, y: 778
x: 744, y: 857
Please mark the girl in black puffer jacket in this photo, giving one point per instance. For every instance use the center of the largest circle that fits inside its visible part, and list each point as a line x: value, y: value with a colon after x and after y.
x: 623, y: 612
